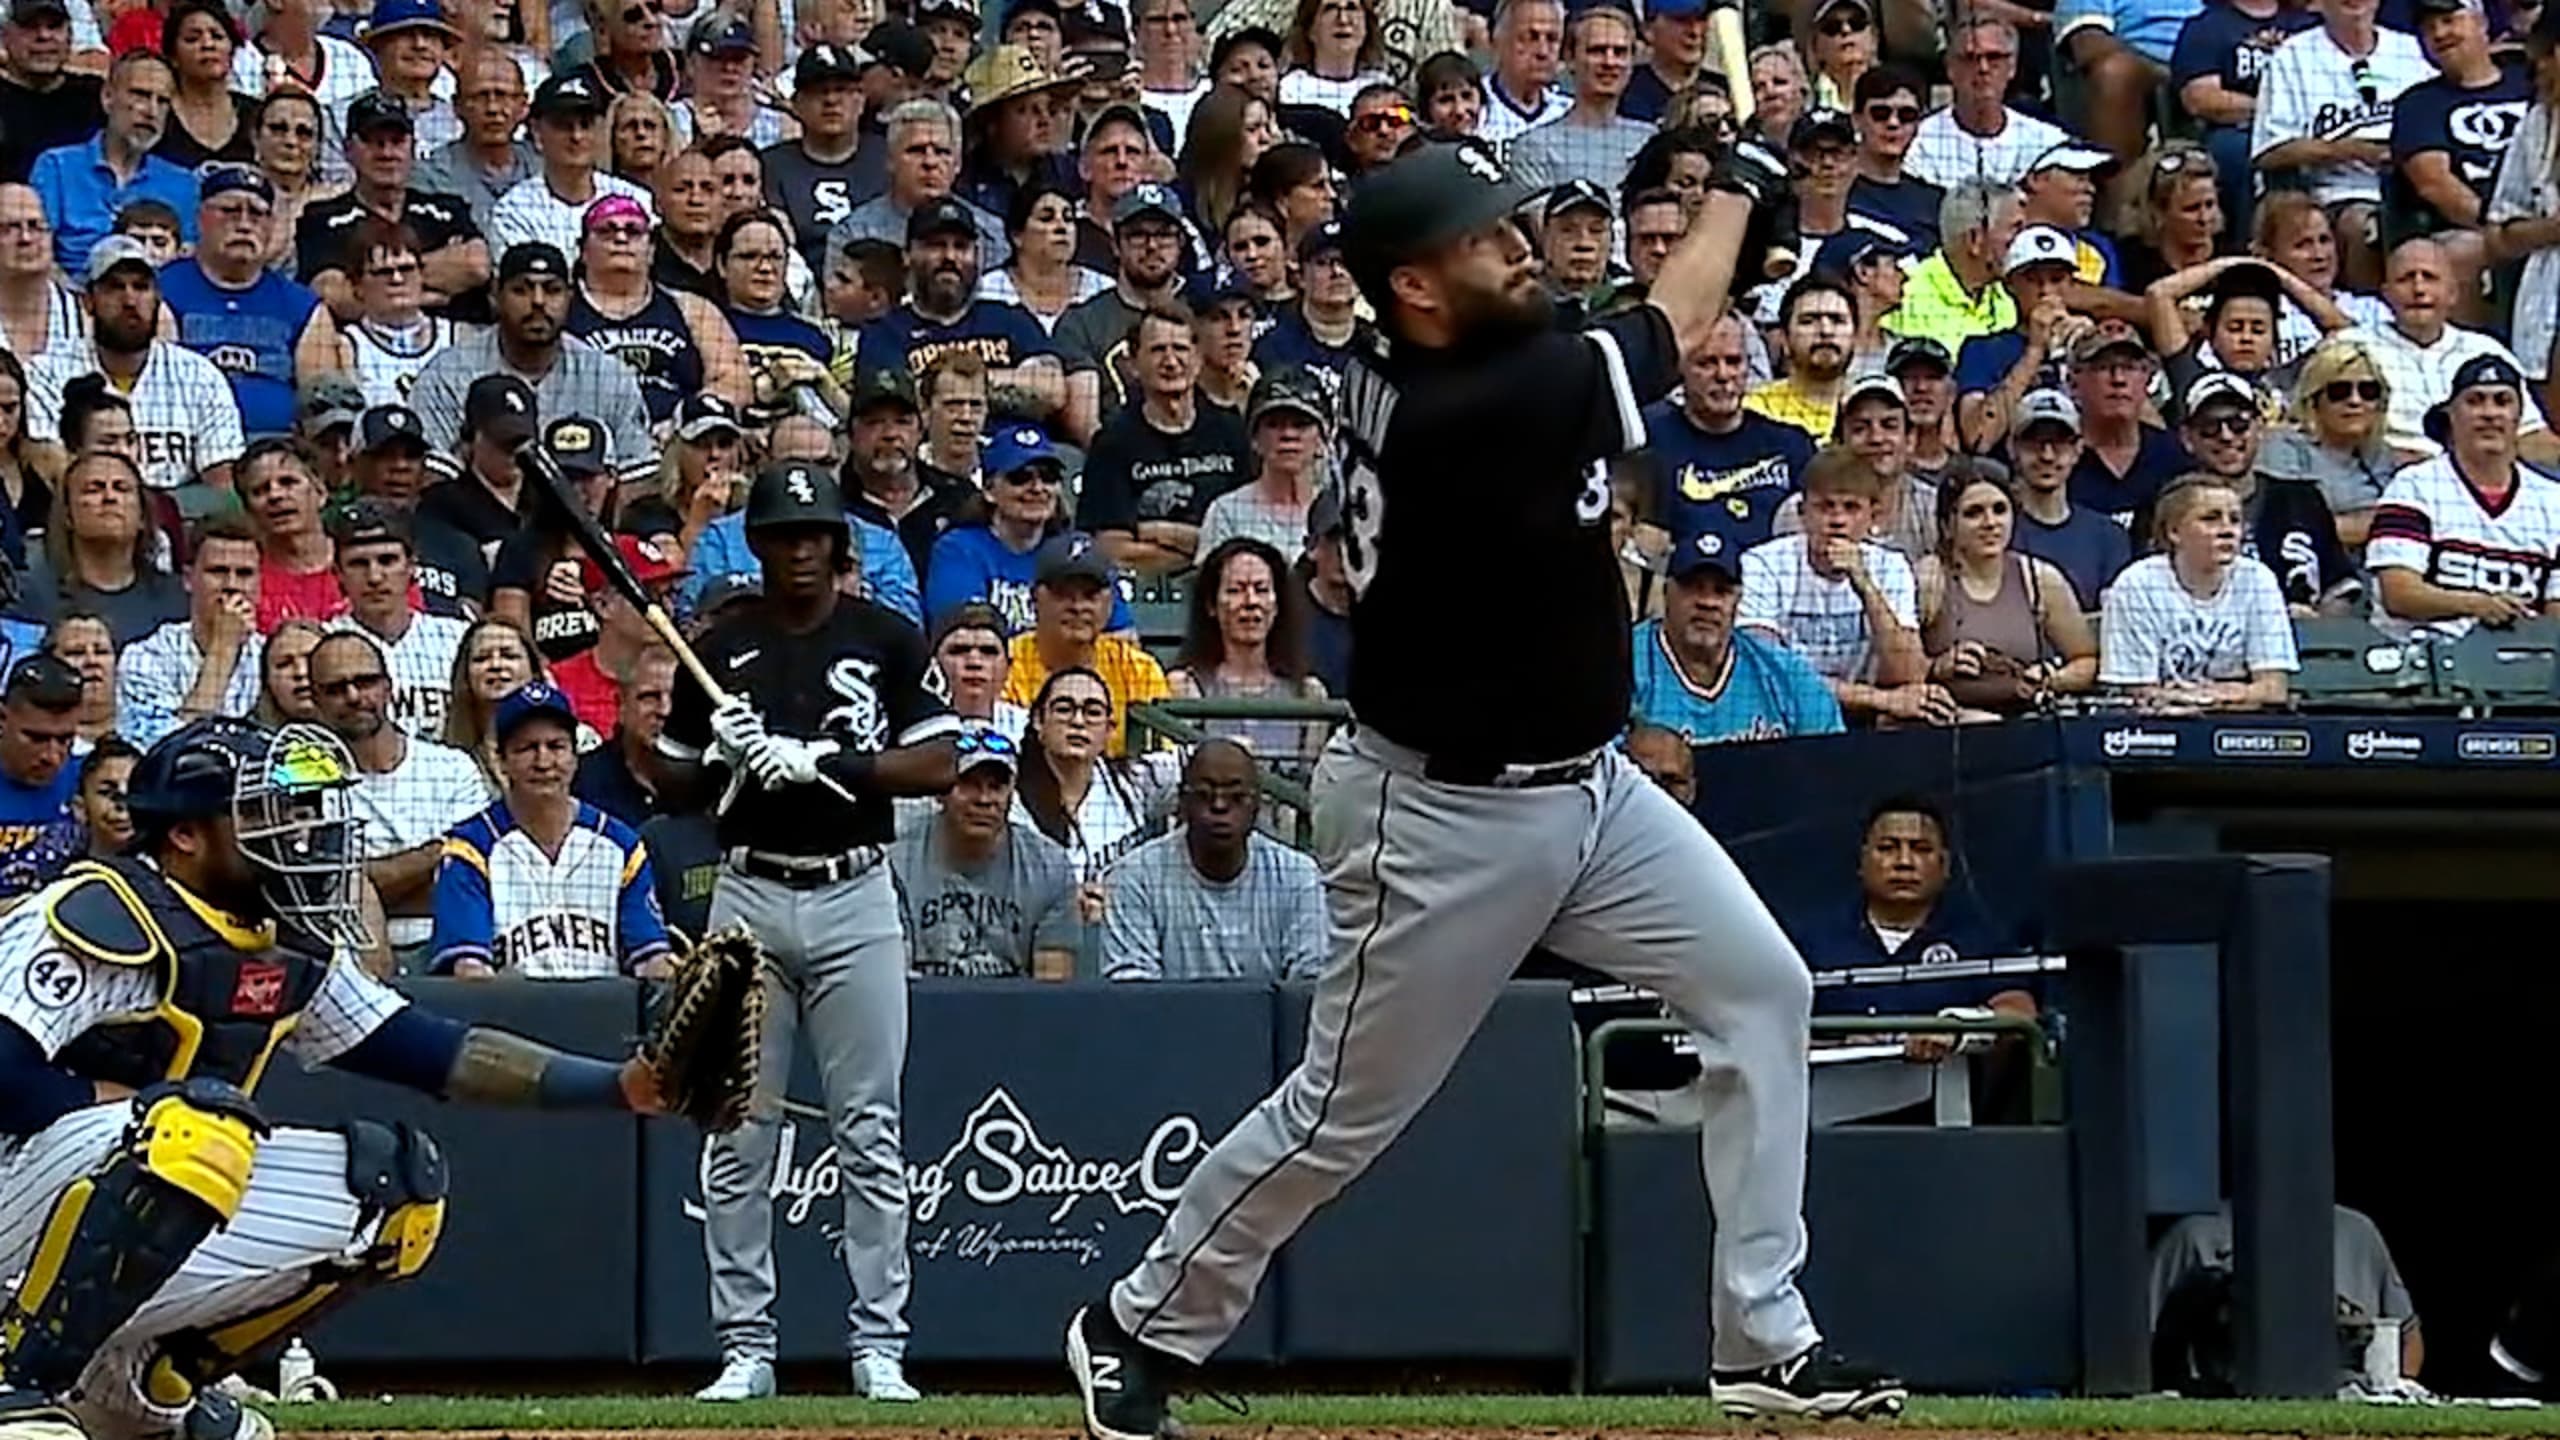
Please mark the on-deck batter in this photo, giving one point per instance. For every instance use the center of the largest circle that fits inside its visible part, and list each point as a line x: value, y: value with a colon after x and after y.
x: 843, y: 691
x: 1475, y: 807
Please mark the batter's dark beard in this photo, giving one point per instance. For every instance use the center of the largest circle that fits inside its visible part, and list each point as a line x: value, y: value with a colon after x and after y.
x: 1492, y: 317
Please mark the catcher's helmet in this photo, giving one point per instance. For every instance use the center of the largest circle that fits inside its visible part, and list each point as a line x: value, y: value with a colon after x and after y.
x: 192, y: 772
x: 796, y: 492
x: 285, y: 792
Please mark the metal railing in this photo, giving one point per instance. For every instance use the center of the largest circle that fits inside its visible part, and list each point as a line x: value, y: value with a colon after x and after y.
x: 1178, y: 722
x: 2039, y: 1047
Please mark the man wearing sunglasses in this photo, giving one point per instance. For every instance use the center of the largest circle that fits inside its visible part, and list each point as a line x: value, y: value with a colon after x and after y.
x: 2285, y: 523
x: 979, y: 895
x: 1886, y: 113
x: 1381, y: 118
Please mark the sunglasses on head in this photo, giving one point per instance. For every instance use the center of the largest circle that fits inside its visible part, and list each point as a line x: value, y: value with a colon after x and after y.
x: 2338, y: 392
x: 1855, y: 22
x: 1884, y: 114
x: 987, y: 742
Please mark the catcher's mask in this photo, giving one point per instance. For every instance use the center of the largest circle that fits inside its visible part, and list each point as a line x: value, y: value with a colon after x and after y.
x: 289, y: 811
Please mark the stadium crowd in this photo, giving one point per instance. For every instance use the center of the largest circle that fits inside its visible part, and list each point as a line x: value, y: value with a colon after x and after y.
x: 2112, y: 340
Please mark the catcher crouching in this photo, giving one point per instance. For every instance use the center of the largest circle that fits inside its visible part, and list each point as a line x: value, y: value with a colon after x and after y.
x: 163, y: 1232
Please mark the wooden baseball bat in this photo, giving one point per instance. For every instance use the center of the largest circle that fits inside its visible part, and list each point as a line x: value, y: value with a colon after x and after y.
x: 1726, y: 43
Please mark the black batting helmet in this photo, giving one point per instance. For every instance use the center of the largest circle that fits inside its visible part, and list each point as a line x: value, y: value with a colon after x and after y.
x: 796, y: 492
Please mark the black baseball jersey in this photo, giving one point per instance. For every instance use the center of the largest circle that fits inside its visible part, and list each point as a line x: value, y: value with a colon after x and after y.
x: 1489, y: 623
x: 321, y: 236
x: 863, y: 679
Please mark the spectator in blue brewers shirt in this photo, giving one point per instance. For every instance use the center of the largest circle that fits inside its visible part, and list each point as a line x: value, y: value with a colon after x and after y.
x: 84, y: 185
x: 942, y: 313
x: 1317, y: 330
x: 1700, y: 678
x: 1716, y: 465
x: 2124, y: 458
x: 39, y: 721
x: 991, y: 553
x: 1993, y: 370
x: 260, y: 328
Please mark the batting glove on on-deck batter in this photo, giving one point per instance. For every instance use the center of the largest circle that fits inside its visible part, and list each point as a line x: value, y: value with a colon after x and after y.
x: 736, y: 729
x: 780, y: 760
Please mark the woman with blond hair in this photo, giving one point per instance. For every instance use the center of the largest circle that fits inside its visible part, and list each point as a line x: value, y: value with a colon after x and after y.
x: 641, y: 132
x: 2173, y: 214
x: 701, y: 477
x: 2198, y: 626
x: 2336, y: 441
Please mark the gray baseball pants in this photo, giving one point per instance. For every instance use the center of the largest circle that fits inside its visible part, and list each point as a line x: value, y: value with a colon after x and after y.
x: 1434, y: 893
x: 839, y: 979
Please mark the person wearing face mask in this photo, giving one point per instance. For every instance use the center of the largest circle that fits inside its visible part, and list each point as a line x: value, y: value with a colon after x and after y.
x: 2198, y: 626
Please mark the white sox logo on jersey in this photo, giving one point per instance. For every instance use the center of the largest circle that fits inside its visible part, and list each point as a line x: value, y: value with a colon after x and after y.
x: 860, y: 716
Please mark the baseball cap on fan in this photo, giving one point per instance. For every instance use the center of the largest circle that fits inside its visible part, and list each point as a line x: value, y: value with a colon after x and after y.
x: 648, y: 564
x: 534, y: 700
x: 2040, y: 245
x: 1072, y: 556
x: 500, y: 409
x: 1709, y: 551
x: 116, y: 251
x: 578, y: 444
x: 1427, y: 198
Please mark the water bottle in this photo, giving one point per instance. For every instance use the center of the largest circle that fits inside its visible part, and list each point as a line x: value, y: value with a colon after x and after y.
x: 294, y: 1372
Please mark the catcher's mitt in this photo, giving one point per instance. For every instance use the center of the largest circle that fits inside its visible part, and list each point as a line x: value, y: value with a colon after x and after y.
x: 706, y: 1030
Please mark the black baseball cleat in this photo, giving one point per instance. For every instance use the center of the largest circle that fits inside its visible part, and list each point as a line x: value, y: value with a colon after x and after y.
x: 1122, y: 1381
x: 1816, y: 1385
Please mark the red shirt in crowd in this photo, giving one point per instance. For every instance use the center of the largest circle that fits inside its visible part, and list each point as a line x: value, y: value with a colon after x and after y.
x: 591, y: 692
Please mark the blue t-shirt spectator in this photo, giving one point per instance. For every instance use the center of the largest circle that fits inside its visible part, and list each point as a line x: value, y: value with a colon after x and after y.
x: 2087, y: 547
x: 2148, y: 27
x: 248, y: 334
x: 973, y: 563
x: 38, y: 835
x: 2157, y: 459
x: 998, y: 332
x: 1731, y: 484
x: 82, y: 197
x: 1986, y: 360
x: 2472, y: 127
x: 1909, y: 204
x: 1767, y: 692
x: 2225, y: 42
x: 1289, y: 342
x: 888, y: 575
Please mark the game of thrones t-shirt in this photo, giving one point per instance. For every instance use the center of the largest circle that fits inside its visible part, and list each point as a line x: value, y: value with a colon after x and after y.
x: 1138, y: 471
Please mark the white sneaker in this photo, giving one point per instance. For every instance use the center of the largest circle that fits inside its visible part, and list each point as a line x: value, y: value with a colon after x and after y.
x: 879, y: 1377
x: 741, y: 1378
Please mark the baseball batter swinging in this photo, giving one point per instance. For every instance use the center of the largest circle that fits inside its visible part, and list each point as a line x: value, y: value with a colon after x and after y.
x: 846, y: 713
x: 165, y: 1232
x: 1475, y: 807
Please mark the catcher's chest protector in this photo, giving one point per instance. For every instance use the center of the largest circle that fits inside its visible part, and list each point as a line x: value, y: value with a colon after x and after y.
x: 228, y: 996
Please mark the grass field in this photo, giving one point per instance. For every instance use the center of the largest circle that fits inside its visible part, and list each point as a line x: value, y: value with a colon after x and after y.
x: 1351, y: 1414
